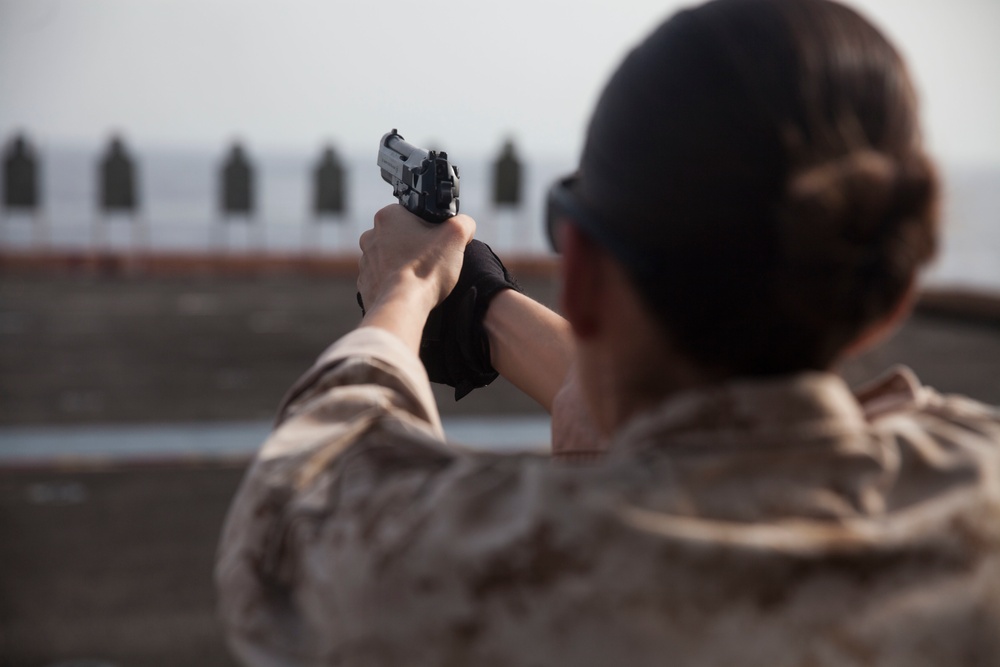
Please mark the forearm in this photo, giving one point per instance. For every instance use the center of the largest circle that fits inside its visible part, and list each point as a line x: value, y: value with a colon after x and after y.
x: 530, y: 345
x: 403, y: 313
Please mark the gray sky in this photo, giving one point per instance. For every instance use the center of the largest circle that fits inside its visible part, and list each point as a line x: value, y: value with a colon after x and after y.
x: 289, y: 75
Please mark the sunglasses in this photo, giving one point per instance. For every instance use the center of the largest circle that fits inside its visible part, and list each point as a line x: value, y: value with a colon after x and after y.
x: 563, y: 205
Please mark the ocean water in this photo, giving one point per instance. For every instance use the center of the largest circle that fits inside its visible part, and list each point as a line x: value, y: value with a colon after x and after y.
x: 179, y: 209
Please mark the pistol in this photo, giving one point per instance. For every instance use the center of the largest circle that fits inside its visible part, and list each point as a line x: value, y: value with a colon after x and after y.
x: 425, y: 182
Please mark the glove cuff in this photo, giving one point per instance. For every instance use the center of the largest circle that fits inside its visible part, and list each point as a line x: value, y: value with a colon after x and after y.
x: 457, y: 351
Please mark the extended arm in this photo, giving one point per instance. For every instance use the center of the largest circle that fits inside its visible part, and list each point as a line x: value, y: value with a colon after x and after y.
x: 409, y: 266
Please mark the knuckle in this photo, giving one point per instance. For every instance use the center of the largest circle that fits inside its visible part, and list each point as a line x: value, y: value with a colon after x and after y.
x: 384, y: 214
x: 466, y: 224
x: 458, y: 227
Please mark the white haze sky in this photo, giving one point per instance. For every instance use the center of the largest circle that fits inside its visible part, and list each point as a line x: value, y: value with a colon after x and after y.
x: 290, y: 75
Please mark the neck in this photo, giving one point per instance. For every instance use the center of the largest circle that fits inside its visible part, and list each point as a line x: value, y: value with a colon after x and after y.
x: 626, y: 360
x: 635, y: 374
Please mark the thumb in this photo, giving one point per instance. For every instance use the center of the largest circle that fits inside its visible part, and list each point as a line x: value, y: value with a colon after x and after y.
x: 463, y: 226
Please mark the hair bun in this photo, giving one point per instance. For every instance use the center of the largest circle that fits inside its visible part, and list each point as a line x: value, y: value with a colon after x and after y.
x: 860, y: 208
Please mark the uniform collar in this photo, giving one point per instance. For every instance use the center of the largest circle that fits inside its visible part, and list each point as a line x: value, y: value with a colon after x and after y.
x: 747, y: 411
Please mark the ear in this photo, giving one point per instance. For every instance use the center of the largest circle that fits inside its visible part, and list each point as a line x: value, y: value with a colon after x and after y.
x: 582, y: 282
x: 881, y: 329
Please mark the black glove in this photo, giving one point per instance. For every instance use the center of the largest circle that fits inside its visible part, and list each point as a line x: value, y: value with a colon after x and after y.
x: 455, y: 349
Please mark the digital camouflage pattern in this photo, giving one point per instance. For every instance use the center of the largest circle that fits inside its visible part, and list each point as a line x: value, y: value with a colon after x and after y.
x: 783, y: 522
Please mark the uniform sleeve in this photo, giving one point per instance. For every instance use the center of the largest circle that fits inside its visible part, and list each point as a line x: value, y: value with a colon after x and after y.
x: 366, y: 390
x: 356, y: 517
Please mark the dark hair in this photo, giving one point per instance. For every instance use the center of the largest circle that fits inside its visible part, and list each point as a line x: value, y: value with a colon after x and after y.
x: 768, y: 152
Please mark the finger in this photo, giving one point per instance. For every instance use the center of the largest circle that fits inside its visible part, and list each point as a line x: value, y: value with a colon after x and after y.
x: 397, y: 215
x: 365, y: 239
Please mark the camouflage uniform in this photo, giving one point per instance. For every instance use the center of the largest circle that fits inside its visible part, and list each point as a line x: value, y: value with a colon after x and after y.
x: 777, y: 522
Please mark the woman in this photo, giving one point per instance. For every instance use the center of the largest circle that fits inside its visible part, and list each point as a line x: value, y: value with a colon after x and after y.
x: 752, y: 205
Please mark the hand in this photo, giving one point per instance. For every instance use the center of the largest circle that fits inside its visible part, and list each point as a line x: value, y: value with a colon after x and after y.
x: 402, y: 251
x: 407, y: 267
x: 455, y: 348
